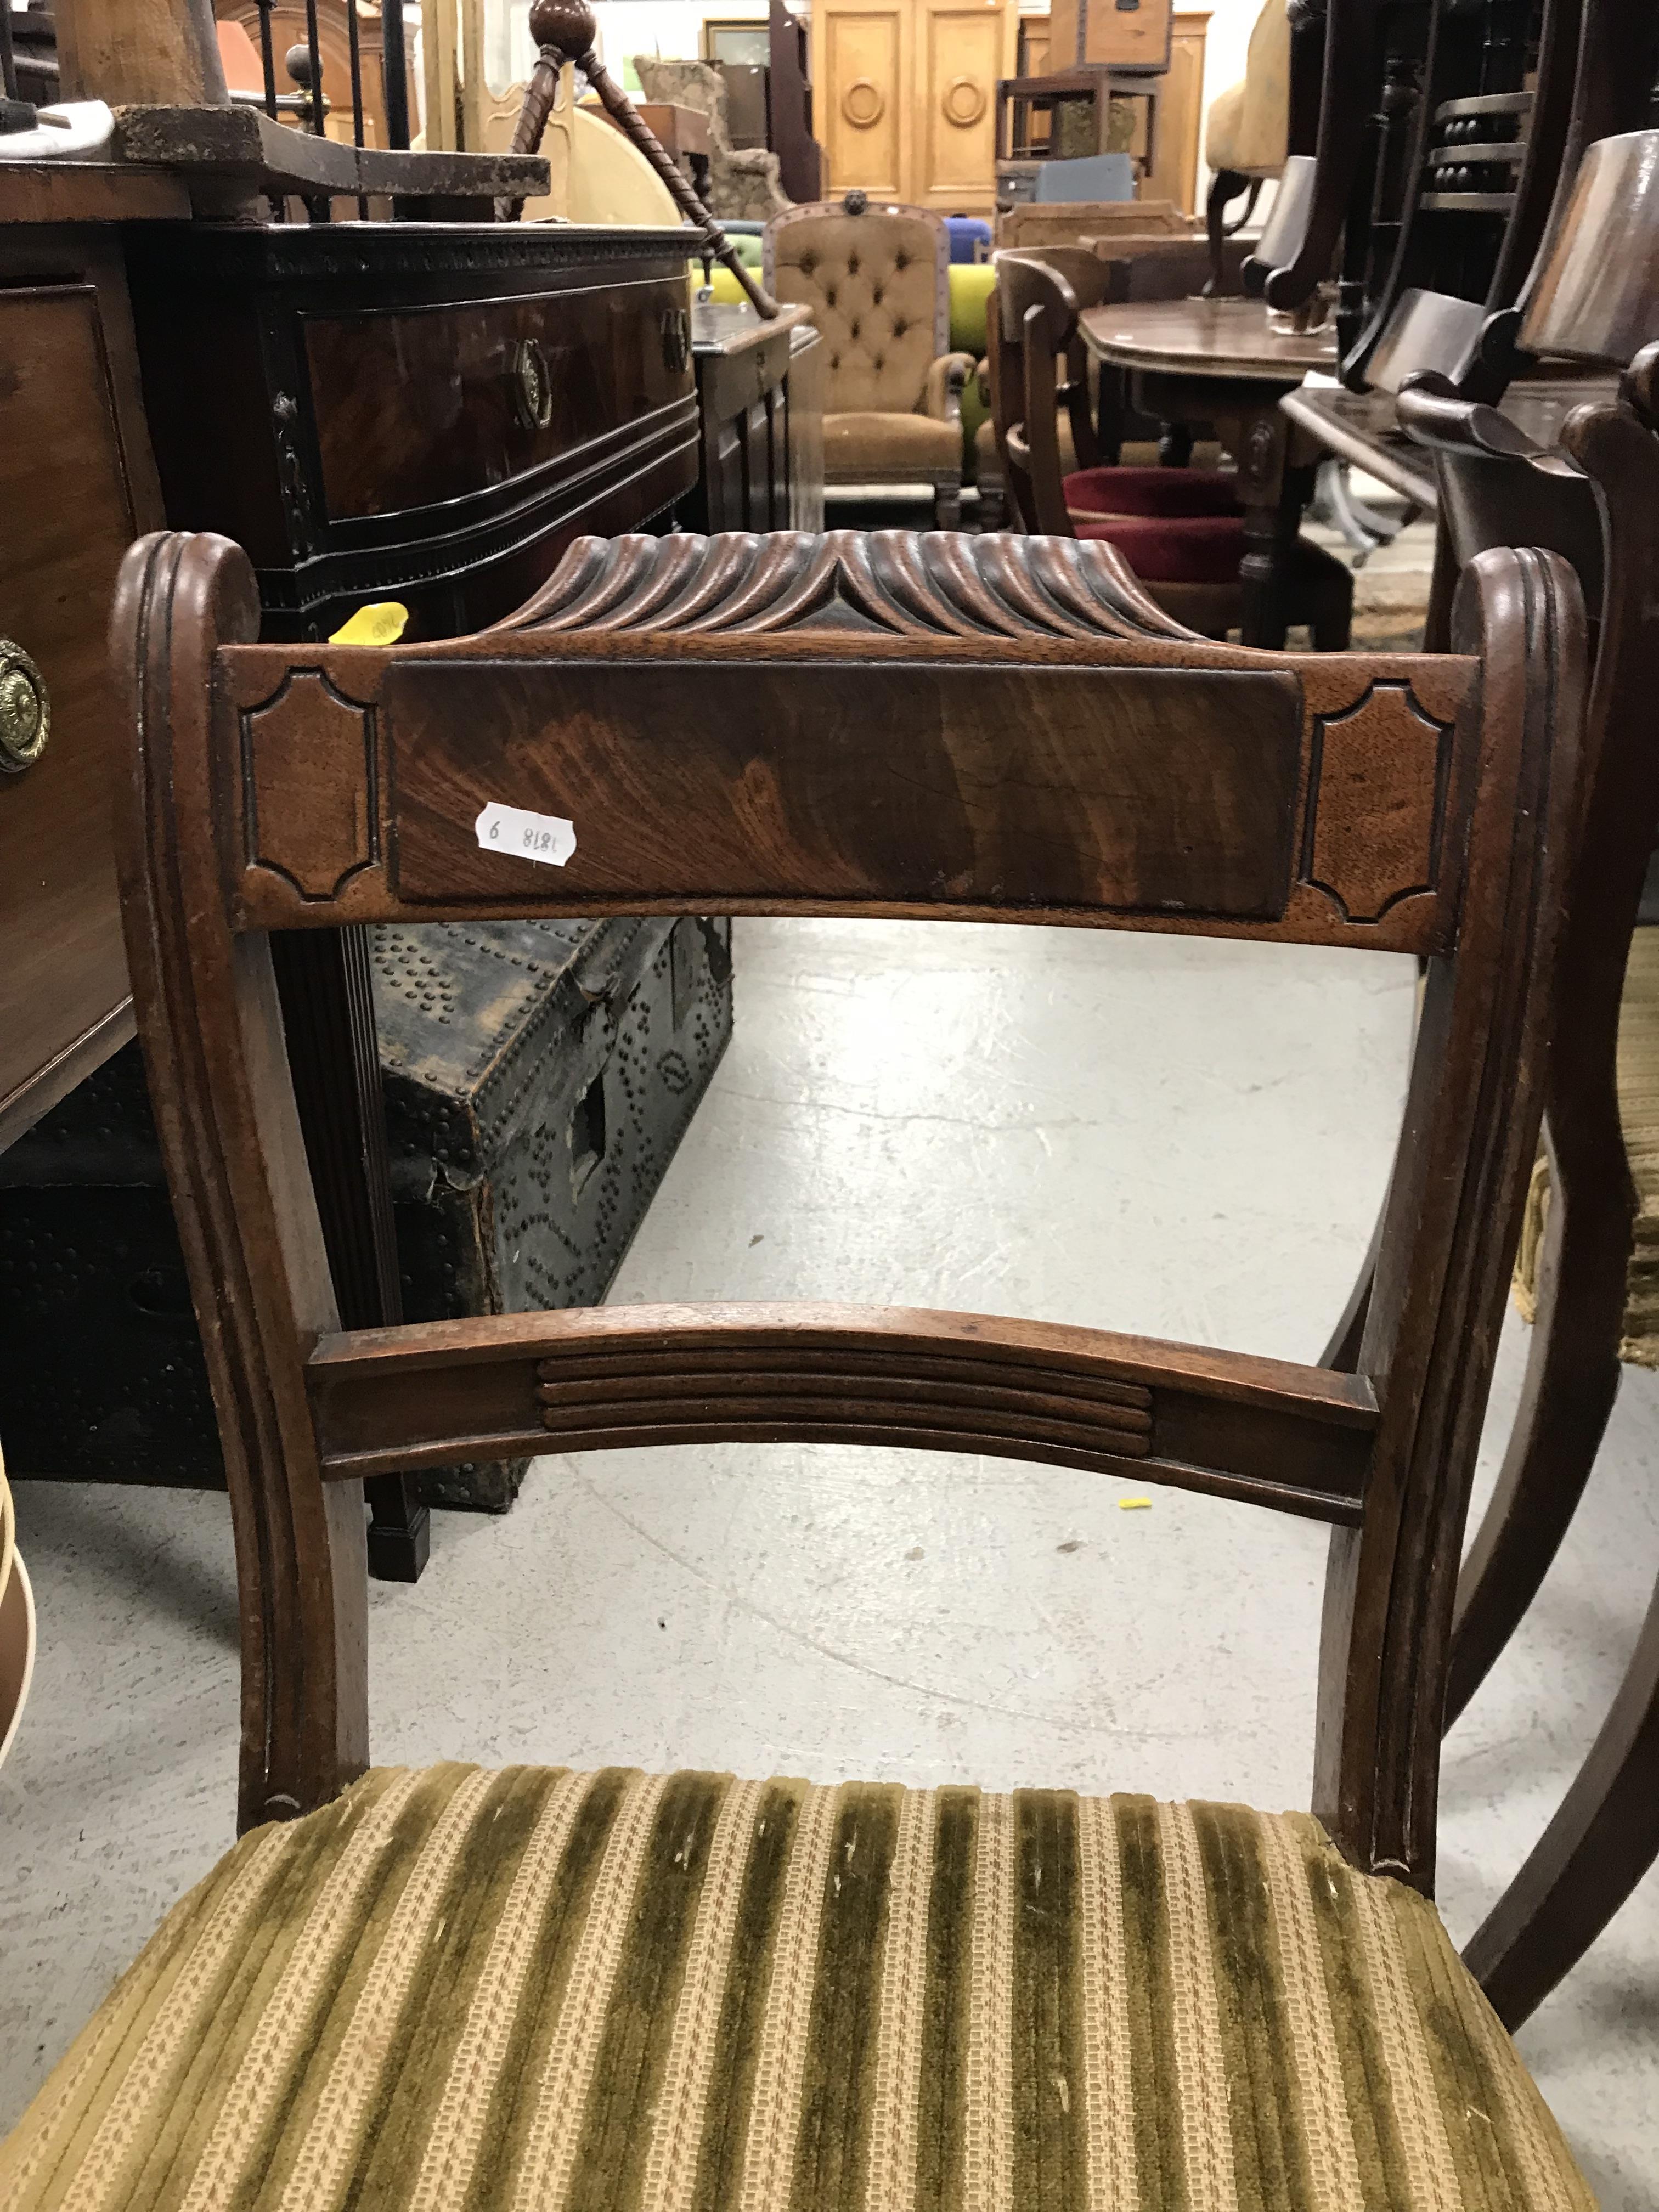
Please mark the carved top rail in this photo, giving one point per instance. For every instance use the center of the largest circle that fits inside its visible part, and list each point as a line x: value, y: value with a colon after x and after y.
x: 1007, y: 735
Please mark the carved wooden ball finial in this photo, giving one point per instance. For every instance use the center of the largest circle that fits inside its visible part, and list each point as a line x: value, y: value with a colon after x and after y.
x: 569, y: 26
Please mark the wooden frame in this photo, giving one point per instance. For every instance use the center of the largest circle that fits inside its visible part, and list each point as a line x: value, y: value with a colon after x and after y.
x: 1603, y: 516
x: 1417, y: 805
x: 1454, y: 97
x: 708, y: 37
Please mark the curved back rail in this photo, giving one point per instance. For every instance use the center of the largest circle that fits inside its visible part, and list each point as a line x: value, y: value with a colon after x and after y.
x: 936, y: 727
x: 1432, y: 252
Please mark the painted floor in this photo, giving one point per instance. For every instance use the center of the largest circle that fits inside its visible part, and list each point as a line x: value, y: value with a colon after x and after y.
x: 1186, y: 1139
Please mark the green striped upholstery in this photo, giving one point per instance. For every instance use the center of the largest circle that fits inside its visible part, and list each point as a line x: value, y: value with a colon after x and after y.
x: 535, y: 1990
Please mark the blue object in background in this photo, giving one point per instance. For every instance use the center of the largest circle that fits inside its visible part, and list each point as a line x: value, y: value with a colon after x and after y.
x: 1094, y: 176
x: 970, y: 238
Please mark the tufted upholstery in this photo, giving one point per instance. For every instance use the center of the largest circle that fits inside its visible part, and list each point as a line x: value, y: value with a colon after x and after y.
x: 877, y: 287
x: 1249, y: 129
x: 877, y: 280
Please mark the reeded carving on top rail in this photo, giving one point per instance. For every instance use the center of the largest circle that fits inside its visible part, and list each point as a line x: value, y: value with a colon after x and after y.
x: 903, y: 582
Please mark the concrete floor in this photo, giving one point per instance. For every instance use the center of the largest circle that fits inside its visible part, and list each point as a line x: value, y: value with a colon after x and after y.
x: 1189, y: 1140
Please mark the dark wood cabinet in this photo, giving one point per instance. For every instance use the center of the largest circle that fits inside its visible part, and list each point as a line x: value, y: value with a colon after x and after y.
x: 423, y: 412
x: 760, y: 388
x: 77, y: 484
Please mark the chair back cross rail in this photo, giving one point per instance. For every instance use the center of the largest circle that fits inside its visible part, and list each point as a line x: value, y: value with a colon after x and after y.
x: 943, y: 728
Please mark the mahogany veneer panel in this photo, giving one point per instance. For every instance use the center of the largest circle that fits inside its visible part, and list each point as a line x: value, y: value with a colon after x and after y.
x: 76, y: 486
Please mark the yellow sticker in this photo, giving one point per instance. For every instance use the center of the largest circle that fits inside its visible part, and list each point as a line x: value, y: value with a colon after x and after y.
x: 1133, y: 1504
x: 383, y: 623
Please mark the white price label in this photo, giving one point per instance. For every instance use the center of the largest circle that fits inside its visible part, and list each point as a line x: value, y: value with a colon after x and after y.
x: 527, y: 836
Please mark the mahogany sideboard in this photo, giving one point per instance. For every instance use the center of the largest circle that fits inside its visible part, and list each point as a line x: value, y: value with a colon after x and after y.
x: 77, y: 484
x: 427, y: 412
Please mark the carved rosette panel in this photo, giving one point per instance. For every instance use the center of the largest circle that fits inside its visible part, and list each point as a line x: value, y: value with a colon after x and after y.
x: 317, y: 831
x: 904, y: 582
x: 1370, y: 841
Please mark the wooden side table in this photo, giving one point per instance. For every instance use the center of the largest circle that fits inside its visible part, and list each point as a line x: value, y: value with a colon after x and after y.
x: 762, y: 434
x: 1221, y: 362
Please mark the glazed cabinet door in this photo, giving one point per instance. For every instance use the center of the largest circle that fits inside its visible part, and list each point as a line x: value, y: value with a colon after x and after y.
x: 76, y: 486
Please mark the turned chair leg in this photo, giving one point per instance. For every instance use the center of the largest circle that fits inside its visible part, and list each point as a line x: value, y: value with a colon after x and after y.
x: 947, y: 504
x: 1572, y: 1380
x: 992, y: 504
x: 1600, y: 1843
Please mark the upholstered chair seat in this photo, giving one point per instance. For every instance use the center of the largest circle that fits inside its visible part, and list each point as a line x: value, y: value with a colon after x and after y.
x: 1156, y: 491
x: 869, y: 447
x: 534, y: 1988
x: 877, y: 280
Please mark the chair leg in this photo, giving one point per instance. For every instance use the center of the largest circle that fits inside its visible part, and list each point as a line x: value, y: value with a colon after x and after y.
x: 1226, y: 186
x: 1572, y: 1380
x: 992, y: 504
x: 947, y: 504
x: 1341, y: 1353
x: 1331, y: 616
x: 1600, y: 1843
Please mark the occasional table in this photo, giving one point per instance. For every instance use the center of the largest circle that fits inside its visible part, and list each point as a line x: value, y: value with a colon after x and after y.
x: 1193, y: 361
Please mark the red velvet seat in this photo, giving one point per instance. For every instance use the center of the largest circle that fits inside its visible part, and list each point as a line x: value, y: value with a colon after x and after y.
x: 1189, y: 549
x: 1156, y: 492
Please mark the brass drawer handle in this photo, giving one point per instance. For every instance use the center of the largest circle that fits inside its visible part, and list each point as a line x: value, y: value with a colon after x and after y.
x: 532, y: 387
x: 25, y: 710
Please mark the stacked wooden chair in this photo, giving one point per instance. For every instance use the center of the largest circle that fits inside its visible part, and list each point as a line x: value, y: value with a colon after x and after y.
x: 1181, y: 530
x: 1594, y: 499
x: 1095, y: 422
x: 541, y: 1987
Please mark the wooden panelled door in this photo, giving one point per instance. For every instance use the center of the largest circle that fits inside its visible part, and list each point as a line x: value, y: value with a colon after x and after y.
x: 905, y: 97
x: 861, y: 88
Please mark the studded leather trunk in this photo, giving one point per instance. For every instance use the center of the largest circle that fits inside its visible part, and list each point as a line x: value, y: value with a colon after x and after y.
x: 539, y: 1077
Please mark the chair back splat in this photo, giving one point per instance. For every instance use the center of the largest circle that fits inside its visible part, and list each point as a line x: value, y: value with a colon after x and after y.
x: 960, y: 729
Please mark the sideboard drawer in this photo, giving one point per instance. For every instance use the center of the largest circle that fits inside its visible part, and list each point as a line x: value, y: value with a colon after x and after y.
x: 74, y: 496
x: 425, y: 412
x: 418, y: 406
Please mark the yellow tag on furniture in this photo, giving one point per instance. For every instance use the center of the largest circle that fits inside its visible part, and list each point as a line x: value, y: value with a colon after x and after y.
x: 383, y: 623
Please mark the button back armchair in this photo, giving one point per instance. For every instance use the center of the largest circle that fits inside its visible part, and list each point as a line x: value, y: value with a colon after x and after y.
x: 542, y: 1987
x: 878, y: 282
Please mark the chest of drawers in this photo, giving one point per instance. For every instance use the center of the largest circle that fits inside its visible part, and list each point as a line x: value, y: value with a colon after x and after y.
x: 423, y: 412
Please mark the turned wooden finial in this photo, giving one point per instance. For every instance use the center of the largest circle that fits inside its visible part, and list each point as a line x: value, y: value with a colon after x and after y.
x: 564, y: 31
x: 567, y: 28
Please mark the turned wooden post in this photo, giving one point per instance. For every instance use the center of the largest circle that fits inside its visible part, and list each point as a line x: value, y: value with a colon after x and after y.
x: 564, y: 31
x: 165, y: 54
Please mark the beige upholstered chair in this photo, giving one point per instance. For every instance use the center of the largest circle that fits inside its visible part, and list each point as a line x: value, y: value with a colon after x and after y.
x: 876, y: 280
x: 1246, y: 139
x: 744, y: 183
